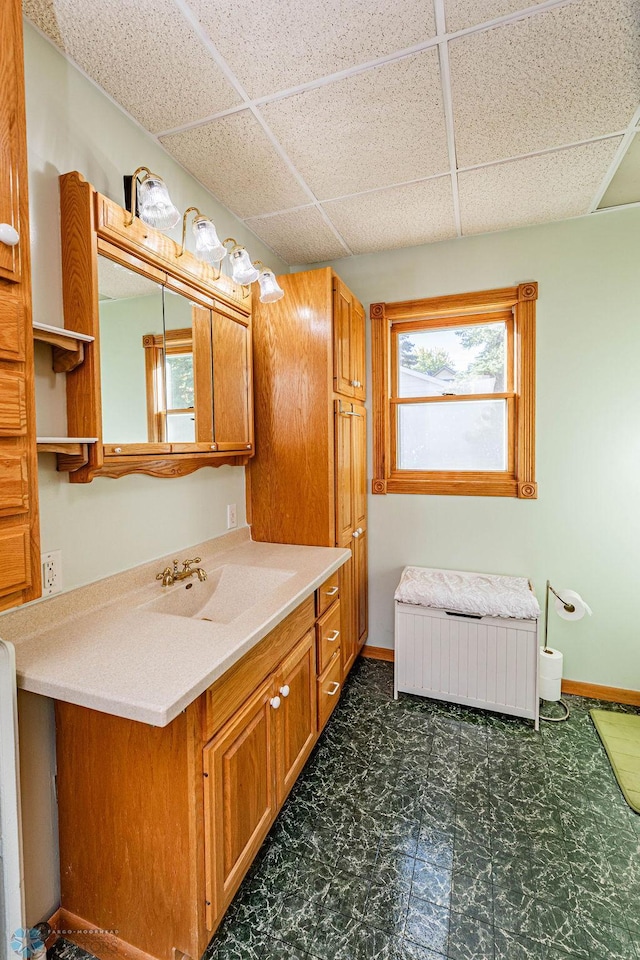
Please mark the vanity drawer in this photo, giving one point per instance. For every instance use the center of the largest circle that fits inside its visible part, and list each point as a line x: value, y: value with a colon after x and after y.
x: 328, y: 635
x: 327, y: 593
x: 15, y: 565
x: 329, y: 687
x: 226, y: 695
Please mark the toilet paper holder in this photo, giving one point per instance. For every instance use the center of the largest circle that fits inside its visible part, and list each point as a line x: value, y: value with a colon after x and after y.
x: 571, y: 606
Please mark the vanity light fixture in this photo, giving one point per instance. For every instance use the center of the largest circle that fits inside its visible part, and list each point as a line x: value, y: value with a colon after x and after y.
x: 270, y: 289
x: 155, y: 206
x: 208, y: 246
x: 242, y: 270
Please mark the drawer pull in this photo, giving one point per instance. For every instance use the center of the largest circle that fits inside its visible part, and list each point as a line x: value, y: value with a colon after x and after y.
x: 332, y: 591
x: 332, y: 639
x: 336, y: 687
x: 275, y: 702
x: 9, y: 234
x: 285, y: 690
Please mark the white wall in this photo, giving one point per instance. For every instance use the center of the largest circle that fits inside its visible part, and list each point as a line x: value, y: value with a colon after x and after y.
x: 583, y: 531
x: 107, y: 525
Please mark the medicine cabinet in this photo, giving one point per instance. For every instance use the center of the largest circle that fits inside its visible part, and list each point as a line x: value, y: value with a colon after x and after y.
x: 166, y: 383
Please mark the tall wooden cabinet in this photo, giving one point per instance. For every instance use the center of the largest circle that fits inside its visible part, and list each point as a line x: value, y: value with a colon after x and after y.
x: 307, y: 482
x: 19, y: 540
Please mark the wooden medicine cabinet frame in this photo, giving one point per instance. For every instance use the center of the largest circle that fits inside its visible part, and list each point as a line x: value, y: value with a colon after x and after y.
x: 92, y: 224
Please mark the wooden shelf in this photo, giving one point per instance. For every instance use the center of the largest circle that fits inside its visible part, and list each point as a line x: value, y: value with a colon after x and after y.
x: 68, y: 346
x: 71, y: 452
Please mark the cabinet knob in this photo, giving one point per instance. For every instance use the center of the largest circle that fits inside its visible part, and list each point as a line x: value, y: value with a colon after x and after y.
x: 117, y: 449
x: 332, y: 639
x: 356, y: 534
x: 9, y: 235
x: 360, y: 531
x: 275, y: 702
x: 285, y: 690
x: 336, y: 687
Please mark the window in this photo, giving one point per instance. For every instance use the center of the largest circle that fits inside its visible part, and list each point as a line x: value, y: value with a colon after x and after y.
x: 170, y: 387
x: 453, y: 393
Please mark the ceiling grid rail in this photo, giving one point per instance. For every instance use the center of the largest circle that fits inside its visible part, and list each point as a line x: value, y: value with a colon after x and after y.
x: 195, y: 24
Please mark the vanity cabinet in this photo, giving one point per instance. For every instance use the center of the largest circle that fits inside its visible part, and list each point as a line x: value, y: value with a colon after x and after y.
x: 166, y: 383
x: 250, y: 767
x: 158, y: 826
x: 19, y: 534
x: 307, y: 483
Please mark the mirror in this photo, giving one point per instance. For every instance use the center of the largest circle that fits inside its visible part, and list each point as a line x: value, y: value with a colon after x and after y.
x: 130, y: 308
x: 155, y: 360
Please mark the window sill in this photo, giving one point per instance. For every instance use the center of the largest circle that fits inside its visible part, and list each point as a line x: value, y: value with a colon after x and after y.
x: 485, y: 487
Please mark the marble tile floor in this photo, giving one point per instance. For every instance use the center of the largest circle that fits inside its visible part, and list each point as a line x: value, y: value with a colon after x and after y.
x: 426, y: 831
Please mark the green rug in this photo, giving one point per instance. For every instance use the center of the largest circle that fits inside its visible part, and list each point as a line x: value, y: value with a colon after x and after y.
x: 620, y: 734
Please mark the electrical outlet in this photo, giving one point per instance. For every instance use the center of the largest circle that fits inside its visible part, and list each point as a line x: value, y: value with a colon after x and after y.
x: 51, y: 573
x: 232, y: 516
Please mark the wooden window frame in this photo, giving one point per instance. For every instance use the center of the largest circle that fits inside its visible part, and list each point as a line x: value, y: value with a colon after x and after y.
x: 387, y: 320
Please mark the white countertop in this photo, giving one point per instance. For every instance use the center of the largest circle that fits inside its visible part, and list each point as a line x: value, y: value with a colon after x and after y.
x: 98, y: 647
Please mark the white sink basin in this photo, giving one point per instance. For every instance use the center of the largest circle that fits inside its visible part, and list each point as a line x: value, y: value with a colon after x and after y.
x: 227, y: 593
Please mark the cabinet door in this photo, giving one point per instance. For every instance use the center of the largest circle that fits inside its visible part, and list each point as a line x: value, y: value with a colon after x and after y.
x: 295, y: 718
x: 348, y: 645
x: 232, y: 384
x: 345, y: 525
x: 360, y: 589
x: 342, y: 362
x: 240, y: 797
x: 358, y: 355
x: 359, y: 466
x: 12, y: 148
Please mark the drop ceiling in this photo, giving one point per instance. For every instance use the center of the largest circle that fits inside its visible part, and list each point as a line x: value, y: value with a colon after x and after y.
x: 340, y: 127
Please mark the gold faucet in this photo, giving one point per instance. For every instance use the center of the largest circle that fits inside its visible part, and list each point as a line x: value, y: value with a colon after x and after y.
x: 169, y: 576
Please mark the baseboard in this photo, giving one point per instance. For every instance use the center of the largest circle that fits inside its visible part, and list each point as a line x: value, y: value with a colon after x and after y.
x: 105, y: 946
x: 377, y: 653
x: 576, y: 687
x: 597, y: 692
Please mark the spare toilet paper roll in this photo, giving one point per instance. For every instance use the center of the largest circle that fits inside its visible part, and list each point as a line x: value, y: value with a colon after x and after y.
x: 574, y: 599
x: 550, y: 676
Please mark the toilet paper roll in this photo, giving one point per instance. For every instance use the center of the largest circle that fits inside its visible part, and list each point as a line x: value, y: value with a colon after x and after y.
x: 550, y: 674
x: 573, y: 598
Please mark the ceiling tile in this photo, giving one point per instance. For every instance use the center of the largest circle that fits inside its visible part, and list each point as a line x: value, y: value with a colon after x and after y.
x: 625, y: 185
x: 299, y: 236
x: 568, y: 74
x: 534, y: 190
x: 143, y: 54
x: 468, y: 13
x: 273, y: 45
x: 400, y: 217
x: 235, y: 159
x: 380, y: 127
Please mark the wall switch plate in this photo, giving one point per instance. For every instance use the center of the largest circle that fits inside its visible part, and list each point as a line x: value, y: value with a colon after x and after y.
x: 232, y: 516
x: 51, y: 573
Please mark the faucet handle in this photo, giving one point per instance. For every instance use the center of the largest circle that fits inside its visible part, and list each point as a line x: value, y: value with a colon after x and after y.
x: 187, y: 563
x: 166, y: 576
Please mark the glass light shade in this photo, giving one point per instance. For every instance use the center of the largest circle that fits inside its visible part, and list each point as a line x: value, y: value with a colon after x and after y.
x: 154, y: 203
x: 270, y: 289
x: 208, y: 246
x: 242, y: 270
